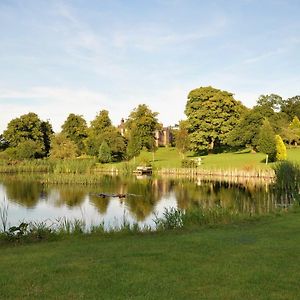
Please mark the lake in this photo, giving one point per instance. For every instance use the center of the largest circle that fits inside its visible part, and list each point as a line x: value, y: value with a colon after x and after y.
x: 29, y: 200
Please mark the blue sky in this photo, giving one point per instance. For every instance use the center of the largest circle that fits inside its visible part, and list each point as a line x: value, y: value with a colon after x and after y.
x: 76, y: 56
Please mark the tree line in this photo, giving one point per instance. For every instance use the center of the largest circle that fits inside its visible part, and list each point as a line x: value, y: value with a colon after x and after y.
x: 215, y: 122
x: 28, y: 137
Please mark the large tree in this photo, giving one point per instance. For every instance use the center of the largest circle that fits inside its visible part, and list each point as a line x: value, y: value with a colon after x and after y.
x: 102, y: 130
x: 75, y: 128
x: 144, y: 122
x: 26, y: 128
x: 246, y: 133
x: 212, y: 114
x: 291, y: 107
x: 182, y: 139
x: 266, y: 142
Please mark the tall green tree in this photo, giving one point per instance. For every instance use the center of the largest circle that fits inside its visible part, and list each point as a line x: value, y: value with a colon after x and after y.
x: 104, y: 153
x: 182, y: 139
x: 144, y: 122
x: 134, y: 144
x: 212, y: 114
x: 75, y: 128
x: 291, y: 107
x: 266, y: 142
x: 102, y: 130
x: 29, y: 127
x: 246, y: 132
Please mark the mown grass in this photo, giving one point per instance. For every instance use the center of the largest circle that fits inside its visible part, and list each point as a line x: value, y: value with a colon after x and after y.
x: 240, y: 160
x: 251, y: 260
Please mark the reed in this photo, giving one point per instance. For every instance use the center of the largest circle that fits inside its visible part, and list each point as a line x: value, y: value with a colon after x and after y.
x: 287, y: 182
x: 3, y: 215
x: 82, y: 179
x: 37, y: 165
x: 178, y: 219
x: 255, y: 173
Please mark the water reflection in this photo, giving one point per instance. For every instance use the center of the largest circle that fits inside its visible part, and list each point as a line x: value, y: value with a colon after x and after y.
x: 145, y: 196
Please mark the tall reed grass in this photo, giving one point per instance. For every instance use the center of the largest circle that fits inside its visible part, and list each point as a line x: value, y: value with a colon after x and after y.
x: 175, y: 218
x: 287, y: 182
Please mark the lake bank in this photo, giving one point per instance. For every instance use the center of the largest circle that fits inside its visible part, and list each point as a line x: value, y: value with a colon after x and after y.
x: 237, y: 261
x: 166, y: 161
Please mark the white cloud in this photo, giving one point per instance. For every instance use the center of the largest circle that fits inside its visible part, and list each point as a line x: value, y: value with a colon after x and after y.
x: 51, y: 103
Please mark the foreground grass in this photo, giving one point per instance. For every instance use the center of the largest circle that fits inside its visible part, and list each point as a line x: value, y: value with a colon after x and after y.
x: 247, y: 261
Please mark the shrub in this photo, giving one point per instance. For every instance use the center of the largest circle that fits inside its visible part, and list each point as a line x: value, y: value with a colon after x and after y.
x: 280, y: 148
x: 188, y: 163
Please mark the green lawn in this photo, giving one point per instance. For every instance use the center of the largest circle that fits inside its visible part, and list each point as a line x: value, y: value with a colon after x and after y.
x: 257, y: 260
x: 170, y: 158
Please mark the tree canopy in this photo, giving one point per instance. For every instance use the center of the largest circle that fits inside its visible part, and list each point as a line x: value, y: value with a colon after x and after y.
x: 102, y: 130
x: 62, y: 147
x: 266, y: 142
x: 144, y: 122
x: 212, y: 114
x: 75, y: 128
x: 26, y: 128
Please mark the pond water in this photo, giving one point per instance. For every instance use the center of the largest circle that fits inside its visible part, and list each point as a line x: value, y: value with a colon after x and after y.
x: 29, y: 200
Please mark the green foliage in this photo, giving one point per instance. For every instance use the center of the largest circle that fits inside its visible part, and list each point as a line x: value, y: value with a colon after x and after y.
x: 295, y: 125
x: 102, y: 130
x: 134, y: 143
x: 29, y: 128
x: 3, y: 143
x: 287, y: 182
x: 182, y: 139
x: 27, y: 150
x: 291, y: 133
x: 291, y: 107
x: 269, y: 103
x: 101, y: 122
x: 280, y: 148
x: 266, y: 143
x: 72, y: 166
x: 104, y: 153
x: 62, y: 147
x: 75, y: 128
x: 144, y: 123
x: 212, y: 114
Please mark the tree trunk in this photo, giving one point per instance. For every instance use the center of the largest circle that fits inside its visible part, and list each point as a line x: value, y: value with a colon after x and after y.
x: 267, y: 157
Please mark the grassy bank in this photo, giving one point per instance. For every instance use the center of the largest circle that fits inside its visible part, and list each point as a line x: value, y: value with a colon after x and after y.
x: 163, y: 158
x: 242, y: 161
x: 251, y: 260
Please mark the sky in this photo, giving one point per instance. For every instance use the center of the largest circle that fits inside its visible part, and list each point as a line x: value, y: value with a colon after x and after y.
x: 76, y: 56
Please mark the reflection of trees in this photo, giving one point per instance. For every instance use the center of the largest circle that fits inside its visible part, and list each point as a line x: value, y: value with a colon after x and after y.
x: 26, y: 193
x: 234, y: 196
x: 70, y: 196
x: 100, y: 203
x: 150, y: 190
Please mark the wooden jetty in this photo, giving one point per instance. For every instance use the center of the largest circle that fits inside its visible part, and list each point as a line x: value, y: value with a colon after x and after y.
x: 143, y: 170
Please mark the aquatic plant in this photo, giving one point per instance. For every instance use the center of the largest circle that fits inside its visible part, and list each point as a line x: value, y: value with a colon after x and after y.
x: 3, y: 215
x: 287, y: 182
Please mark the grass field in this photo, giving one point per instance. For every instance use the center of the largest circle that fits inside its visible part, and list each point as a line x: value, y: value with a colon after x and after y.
x: 170, y: 158
x: 256, y: 260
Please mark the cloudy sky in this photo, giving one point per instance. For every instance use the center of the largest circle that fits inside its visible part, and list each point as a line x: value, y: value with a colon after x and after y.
x: 77, y: 56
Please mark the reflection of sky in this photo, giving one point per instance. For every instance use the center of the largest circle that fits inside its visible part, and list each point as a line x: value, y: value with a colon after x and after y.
x: 47, y: 210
